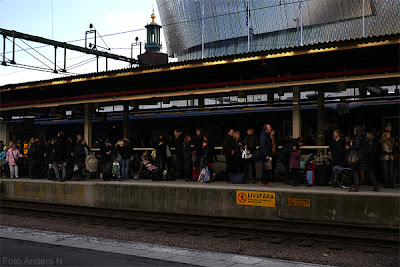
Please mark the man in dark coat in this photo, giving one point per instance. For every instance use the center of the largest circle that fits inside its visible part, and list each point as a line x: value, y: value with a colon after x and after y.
x: 35, y: 157
x: 60, y: 157
x: 266, y: 153
x: 363, y: 146
x: 250, y: 143
x: 126, y: 158
x: 228, y: 148
x: 178, y: 143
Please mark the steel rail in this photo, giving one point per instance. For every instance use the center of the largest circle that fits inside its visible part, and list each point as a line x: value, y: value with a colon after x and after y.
x: 288, y: 229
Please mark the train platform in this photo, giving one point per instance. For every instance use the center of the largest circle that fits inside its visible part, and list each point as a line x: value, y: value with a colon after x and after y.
x: 219, y: 199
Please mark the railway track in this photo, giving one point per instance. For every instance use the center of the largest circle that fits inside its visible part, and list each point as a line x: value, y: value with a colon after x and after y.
x: 246, y: 229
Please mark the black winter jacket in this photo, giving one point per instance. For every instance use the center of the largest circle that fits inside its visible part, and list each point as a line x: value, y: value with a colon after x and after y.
x: 228, y: 144
x: 61, y: 150
x: 251, y: 141
x: 338, y: 149
x: 366, y: 161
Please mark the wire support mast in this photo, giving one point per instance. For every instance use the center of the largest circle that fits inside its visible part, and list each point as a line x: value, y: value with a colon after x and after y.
x: 23, y: 36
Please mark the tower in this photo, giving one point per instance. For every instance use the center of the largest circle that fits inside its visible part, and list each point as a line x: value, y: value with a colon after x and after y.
x: 153, y: 45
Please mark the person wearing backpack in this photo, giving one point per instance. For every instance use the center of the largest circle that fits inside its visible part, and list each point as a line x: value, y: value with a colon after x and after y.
x: 283, y: 155
x: 364, y: 148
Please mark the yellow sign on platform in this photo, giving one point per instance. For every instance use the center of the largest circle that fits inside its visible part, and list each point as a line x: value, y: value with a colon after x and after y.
x: 50, y: 190
x: 299, y: 202
x: 255, y: 198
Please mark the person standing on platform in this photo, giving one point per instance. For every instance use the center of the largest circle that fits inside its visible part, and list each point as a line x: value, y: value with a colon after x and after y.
x: 27, y: 153
x: 35, y: 158
x: 274, y: 149
x: 250, y: 143
x: 228, y: 148
x: 197, y: 141
x: 60, y: 157
x: 12, y: 157
x: 5, y: 170
x: 337, y: 147
x: 161, y: 151
x: 106, y: 151
x: 239, y: 165
x: 284, y: 156
x: 178, y: 142
x: 387, y: 159
x: 79, y: 156
x: 187, y: 156
x: 266, y: 153
x: 294, y: 163
x: 208, y: 154
x: 126, y: 158
x: 49, y: 155
x: 364, y: 148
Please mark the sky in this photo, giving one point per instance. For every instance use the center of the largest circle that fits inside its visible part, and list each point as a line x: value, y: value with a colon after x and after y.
x: 67, y: 21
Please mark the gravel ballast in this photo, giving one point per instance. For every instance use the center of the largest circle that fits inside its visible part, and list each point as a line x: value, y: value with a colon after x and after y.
x: 294, y: 250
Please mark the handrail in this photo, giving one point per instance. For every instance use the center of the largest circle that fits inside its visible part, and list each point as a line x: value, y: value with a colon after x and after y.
x: 218, y: 148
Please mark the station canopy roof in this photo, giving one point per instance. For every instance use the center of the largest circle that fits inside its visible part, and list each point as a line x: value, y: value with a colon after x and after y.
x: 356, y: 63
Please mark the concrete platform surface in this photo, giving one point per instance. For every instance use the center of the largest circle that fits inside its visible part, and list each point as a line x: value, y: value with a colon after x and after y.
x: 145, y: 250
x: 277, y: 186
x: 220, y: 199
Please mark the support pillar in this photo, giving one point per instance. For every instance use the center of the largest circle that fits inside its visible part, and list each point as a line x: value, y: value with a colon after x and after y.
x: 321, y: 117
x: 270, y: 98
x: 88, y: 124
x: 125, y: 124
x: 296, y: 120
x: 5, y: 133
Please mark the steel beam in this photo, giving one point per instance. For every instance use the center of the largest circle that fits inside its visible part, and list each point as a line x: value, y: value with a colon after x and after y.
x: 42, y: 40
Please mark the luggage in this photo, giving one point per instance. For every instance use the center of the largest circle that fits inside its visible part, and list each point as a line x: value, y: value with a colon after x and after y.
x: 220, y: 176
x: 115, y: 170
x: 204, y: 176
x: 156, y: 175
x: 238, y: 178
x: 195, y: 173
x: 310, y: 178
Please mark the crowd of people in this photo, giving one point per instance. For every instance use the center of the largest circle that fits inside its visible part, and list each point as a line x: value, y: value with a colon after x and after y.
x: 368, y: 156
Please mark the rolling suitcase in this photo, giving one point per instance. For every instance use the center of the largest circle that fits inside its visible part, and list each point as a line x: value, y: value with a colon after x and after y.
x: 195, y: 173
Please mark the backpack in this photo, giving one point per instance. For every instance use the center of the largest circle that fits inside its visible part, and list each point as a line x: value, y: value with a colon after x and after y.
x: 367, y: 148
x: 238, y: 178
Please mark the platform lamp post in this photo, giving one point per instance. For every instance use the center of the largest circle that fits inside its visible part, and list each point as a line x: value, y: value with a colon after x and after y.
x: 138, y: 42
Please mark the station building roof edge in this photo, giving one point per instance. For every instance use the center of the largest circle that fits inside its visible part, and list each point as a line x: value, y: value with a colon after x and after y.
x: 233, y: 58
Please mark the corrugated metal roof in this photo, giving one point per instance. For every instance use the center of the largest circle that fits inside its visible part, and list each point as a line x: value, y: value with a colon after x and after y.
x: 274, y: 23
x: 243, y: 55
